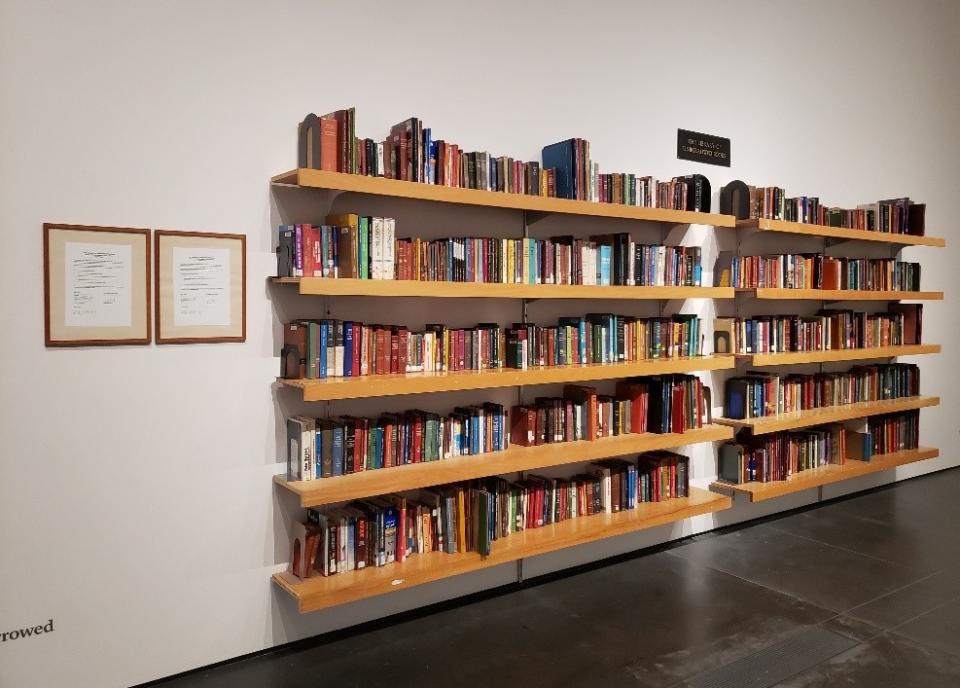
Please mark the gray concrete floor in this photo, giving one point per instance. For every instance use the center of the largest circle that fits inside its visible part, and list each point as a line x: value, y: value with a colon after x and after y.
x: 880, y: 570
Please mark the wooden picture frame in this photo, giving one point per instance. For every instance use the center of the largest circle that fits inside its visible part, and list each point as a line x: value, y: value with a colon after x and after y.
x: 200, y: 287
x: 96, y: 285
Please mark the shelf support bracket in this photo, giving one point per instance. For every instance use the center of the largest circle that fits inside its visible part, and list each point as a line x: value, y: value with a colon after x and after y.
x: 533, y: 216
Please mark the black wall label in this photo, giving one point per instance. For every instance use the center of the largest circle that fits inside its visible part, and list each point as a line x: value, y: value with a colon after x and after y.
x: 713, y: 150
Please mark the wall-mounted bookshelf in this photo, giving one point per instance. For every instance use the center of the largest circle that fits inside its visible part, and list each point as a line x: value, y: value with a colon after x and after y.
x: 828, y: 414
x: 346, y: 286
x: 319, y: 592
x: 380, y: 186
x: 419, y: 383
x: 768, y: 294
x: 831, y: 415
x: 516, y: 458
x: 824, y: 475
x: 798, y: 357
x: 842, y: 233
x: 313, y: 594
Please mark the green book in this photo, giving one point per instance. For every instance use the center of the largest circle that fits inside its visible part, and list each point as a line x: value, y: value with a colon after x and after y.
x: 363, y: 250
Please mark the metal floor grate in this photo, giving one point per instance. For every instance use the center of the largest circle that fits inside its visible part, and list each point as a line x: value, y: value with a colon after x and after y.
x: 778, y: 662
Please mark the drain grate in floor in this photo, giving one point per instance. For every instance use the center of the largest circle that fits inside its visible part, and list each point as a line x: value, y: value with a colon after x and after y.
x: 775, y: 663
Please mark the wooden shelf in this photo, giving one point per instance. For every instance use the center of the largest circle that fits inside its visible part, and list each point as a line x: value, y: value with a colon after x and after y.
x: 839, y: 232
x: 321, y: 592
x: 412, y: 476
x: 796, y: 357
x: 829, y: 414
x: 419, y: 383
x: 337, y: 181
x: 842, y: 295
x: 348, y: 286
x: 804, y: 480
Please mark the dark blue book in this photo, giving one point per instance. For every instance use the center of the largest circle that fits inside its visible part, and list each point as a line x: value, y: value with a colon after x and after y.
x: 735, y: 405
x: 338, y: 450
x: 348, y: 349
x: 560, y: 157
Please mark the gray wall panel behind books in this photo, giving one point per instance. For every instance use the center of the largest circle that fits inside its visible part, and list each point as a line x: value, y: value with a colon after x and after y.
x: 146, y: 472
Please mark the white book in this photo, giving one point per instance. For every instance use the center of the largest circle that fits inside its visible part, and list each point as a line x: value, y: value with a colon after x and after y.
x: 342, y: 545
x: 661, y: 265
x: 376, y: 249
x: 307, y: 445
x: 389, y: 247
x: 631, y: 262
x: 338, y: 360
x: 381, y: 167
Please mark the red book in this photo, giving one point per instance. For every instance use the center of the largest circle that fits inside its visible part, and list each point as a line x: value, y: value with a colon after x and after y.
x: 388, y: 458
x: 403, y: 342
x: 360, y: 444
x: 394, y: 350
x: 388, y: 157
x: 522, y: 424
x: 329, y: 148
x: 417, y: 438
x: 677, y: 409
x: 312, y: 251
x: 383, y: 350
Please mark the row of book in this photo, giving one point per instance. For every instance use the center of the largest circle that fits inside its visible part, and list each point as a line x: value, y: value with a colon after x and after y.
x: 759, y: 394
x: 601, y: 260
x: 320, y: 349
x: 894, y: 432
x: 470, y: 517
x: 828, y: 330
x: 657, y: 404
x: 894, y: 216
x: 777, y: 456
x: 326, y: 448
x: 411, y: 153
x: 817, y: 271
x: 362, y: 247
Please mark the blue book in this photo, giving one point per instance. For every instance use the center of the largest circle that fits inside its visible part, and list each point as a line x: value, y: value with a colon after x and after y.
x: 337, y: 450
x: 427, y: 148
x: 379, y: 452
x: 605, y: 252
x: 533, y: 260
x: 475, y: 434
x: 389, y: 535
x: 560, y: 157
x: 324, y: 338
x: 348, y: 349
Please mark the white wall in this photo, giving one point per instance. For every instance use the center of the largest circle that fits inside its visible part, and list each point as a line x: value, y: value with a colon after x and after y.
x: 135, y: 500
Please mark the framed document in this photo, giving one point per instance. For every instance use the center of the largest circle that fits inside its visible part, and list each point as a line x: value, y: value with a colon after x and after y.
x: 96, y: 285
x: 200, y: 287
